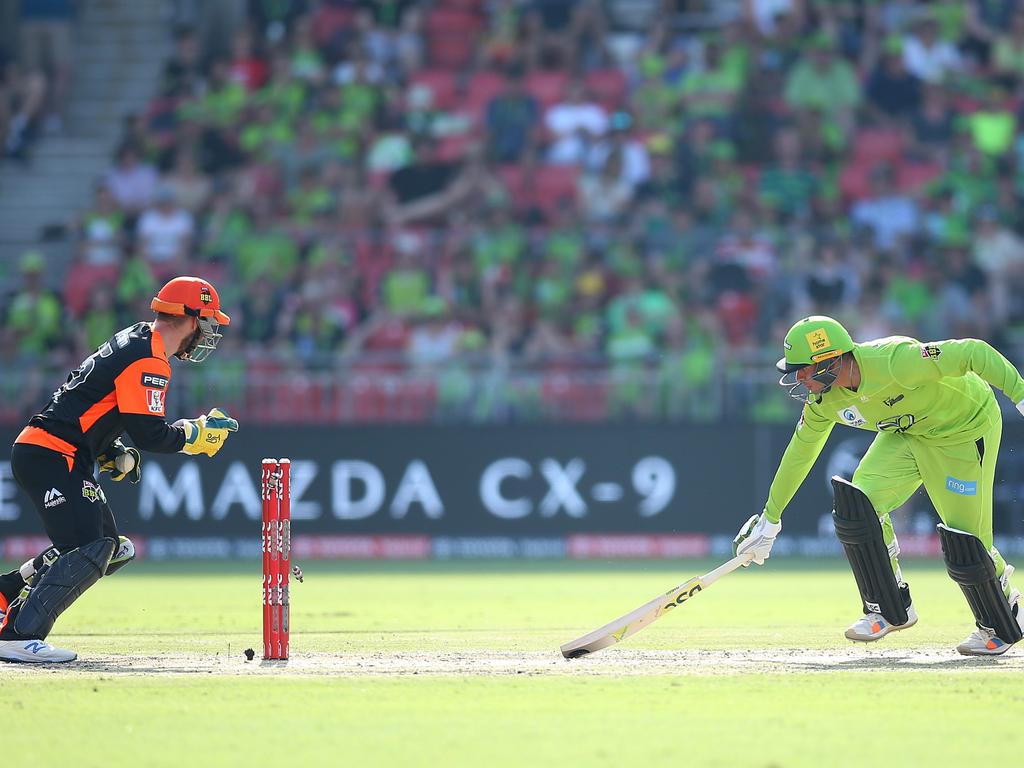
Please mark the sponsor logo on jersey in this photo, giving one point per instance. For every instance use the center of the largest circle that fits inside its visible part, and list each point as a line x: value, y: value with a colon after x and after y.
x: 155, y: 400
x: 818, y: 340
x: 891, y: 401
x: 930, y: 351
x: 963, y: 487
x: 852, y: 416
x: 154, y: 381
x: 52, y: 498
x: 900, y: 423
x: 92, y: 492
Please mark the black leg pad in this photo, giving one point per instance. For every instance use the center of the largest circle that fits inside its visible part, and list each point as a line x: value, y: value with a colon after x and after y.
x: 860, y: 532
x: 54, y: 590
x: 970, y: 565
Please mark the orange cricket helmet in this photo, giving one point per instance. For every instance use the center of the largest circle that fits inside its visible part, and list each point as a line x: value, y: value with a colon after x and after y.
x: 190, y: 296
x: 194, y: 297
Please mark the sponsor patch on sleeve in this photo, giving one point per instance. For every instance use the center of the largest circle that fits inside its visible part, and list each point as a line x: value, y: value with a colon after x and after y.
x: 930, y: 351
x: 154, y: 381
x: 155, y: 401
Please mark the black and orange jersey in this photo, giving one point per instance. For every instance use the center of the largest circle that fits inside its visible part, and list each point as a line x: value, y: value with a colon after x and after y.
x: 119, y: 388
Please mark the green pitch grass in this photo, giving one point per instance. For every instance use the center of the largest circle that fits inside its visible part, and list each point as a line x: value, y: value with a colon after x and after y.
x: 163, y: 680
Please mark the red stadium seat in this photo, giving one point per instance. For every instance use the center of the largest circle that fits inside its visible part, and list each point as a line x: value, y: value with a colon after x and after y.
x: 874, y: 146
x: 453, y: 148
x: 472, y: 6
x: 442, y: 84
x: 450, y: 51
x: 608, y: 87
x: 413, y: 400
x: 574, y: 399
x: 482, y: 88
x: 553, y: 184
x: 547, y: 88
x: 82, y: 280
x: 453, y: 21
x: 855, y: 181
x: 912, y: 176
x: 329, y: 20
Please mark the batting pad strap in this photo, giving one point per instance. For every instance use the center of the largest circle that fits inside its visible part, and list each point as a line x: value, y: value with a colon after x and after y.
x: 970, y: 565
x: 860, y: 532
x: 62, y: 584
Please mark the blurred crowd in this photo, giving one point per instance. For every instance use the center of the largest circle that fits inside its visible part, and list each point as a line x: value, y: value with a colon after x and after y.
x: 35, y: 72
x: 649, y: 192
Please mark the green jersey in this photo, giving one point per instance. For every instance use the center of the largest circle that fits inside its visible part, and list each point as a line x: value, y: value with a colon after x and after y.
x: 939, y: 391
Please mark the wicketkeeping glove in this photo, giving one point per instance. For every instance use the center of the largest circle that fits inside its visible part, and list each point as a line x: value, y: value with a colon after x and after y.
x: 756, y: 537
x: 207, y: 433
x: 121, y: 461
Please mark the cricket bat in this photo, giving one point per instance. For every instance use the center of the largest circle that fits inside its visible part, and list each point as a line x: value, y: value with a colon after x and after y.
x: 634, y: 621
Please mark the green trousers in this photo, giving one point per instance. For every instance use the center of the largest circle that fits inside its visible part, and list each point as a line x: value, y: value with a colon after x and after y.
x: 957, y: 478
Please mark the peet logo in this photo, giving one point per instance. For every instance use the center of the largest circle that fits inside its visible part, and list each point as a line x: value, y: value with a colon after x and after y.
x: 154, y: 381
x: 891, y: 401
x: 818, y: 340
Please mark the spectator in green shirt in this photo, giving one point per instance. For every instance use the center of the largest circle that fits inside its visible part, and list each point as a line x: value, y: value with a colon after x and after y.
x: 993, y: 127
x: 33, y: 316
x: 266, y: 249
x: 788, y: 184
x: 821, y: 80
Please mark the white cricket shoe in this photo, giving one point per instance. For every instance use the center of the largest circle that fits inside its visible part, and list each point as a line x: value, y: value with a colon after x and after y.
x: 33, y: 652
x: 874, y: 626
x: 983, y: 642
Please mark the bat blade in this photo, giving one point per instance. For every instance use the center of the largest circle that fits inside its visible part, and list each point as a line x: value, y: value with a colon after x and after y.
x: 646, y: 614
x: 632, y: 622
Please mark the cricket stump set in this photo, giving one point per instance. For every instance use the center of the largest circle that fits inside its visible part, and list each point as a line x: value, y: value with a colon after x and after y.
x: 277, y: 520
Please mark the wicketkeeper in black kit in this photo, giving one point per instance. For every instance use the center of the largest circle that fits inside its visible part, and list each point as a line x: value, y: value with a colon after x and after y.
x: 119, y: 388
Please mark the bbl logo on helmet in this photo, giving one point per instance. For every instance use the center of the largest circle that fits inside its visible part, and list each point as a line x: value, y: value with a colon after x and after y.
x: 204, y: 294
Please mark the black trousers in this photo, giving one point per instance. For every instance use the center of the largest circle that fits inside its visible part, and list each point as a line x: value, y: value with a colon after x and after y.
x: 70, y: 502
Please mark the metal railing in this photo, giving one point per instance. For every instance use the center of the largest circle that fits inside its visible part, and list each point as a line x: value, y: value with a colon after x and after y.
x: 380, y: 389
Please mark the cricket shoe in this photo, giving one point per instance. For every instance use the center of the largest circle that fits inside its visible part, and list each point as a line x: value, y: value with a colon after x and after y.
x: 874, y: 626
x: 33, y: 652
x: 984, y: 642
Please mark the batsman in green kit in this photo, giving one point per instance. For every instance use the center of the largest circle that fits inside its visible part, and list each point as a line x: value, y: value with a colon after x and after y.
x: 938, y: 424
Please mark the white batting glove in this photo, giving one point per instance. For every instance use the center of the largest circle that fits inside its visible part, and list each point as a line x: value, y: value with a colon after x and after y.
x: 756, y: 537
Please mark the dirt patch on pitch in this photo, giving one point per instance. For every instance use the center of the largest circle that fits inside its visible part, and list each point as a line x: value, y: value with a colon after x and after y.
x: 611, y: 663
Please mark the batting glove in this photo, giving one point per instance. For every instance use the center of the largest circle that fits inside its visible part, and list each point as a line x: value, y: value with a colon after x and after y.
x: 755, y: 538
x: 121, y: 461
x: 206, y: 435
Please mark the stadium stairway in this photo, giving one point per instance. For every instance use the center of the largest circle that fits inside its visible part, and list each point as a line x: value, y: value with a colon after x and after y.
x: 119, y: 50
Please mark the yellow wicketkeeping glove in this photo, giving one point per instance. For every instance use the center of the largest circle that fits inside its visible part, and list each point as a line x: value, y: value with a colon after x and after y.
x: 207, y: 433
x: 121, y: 461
